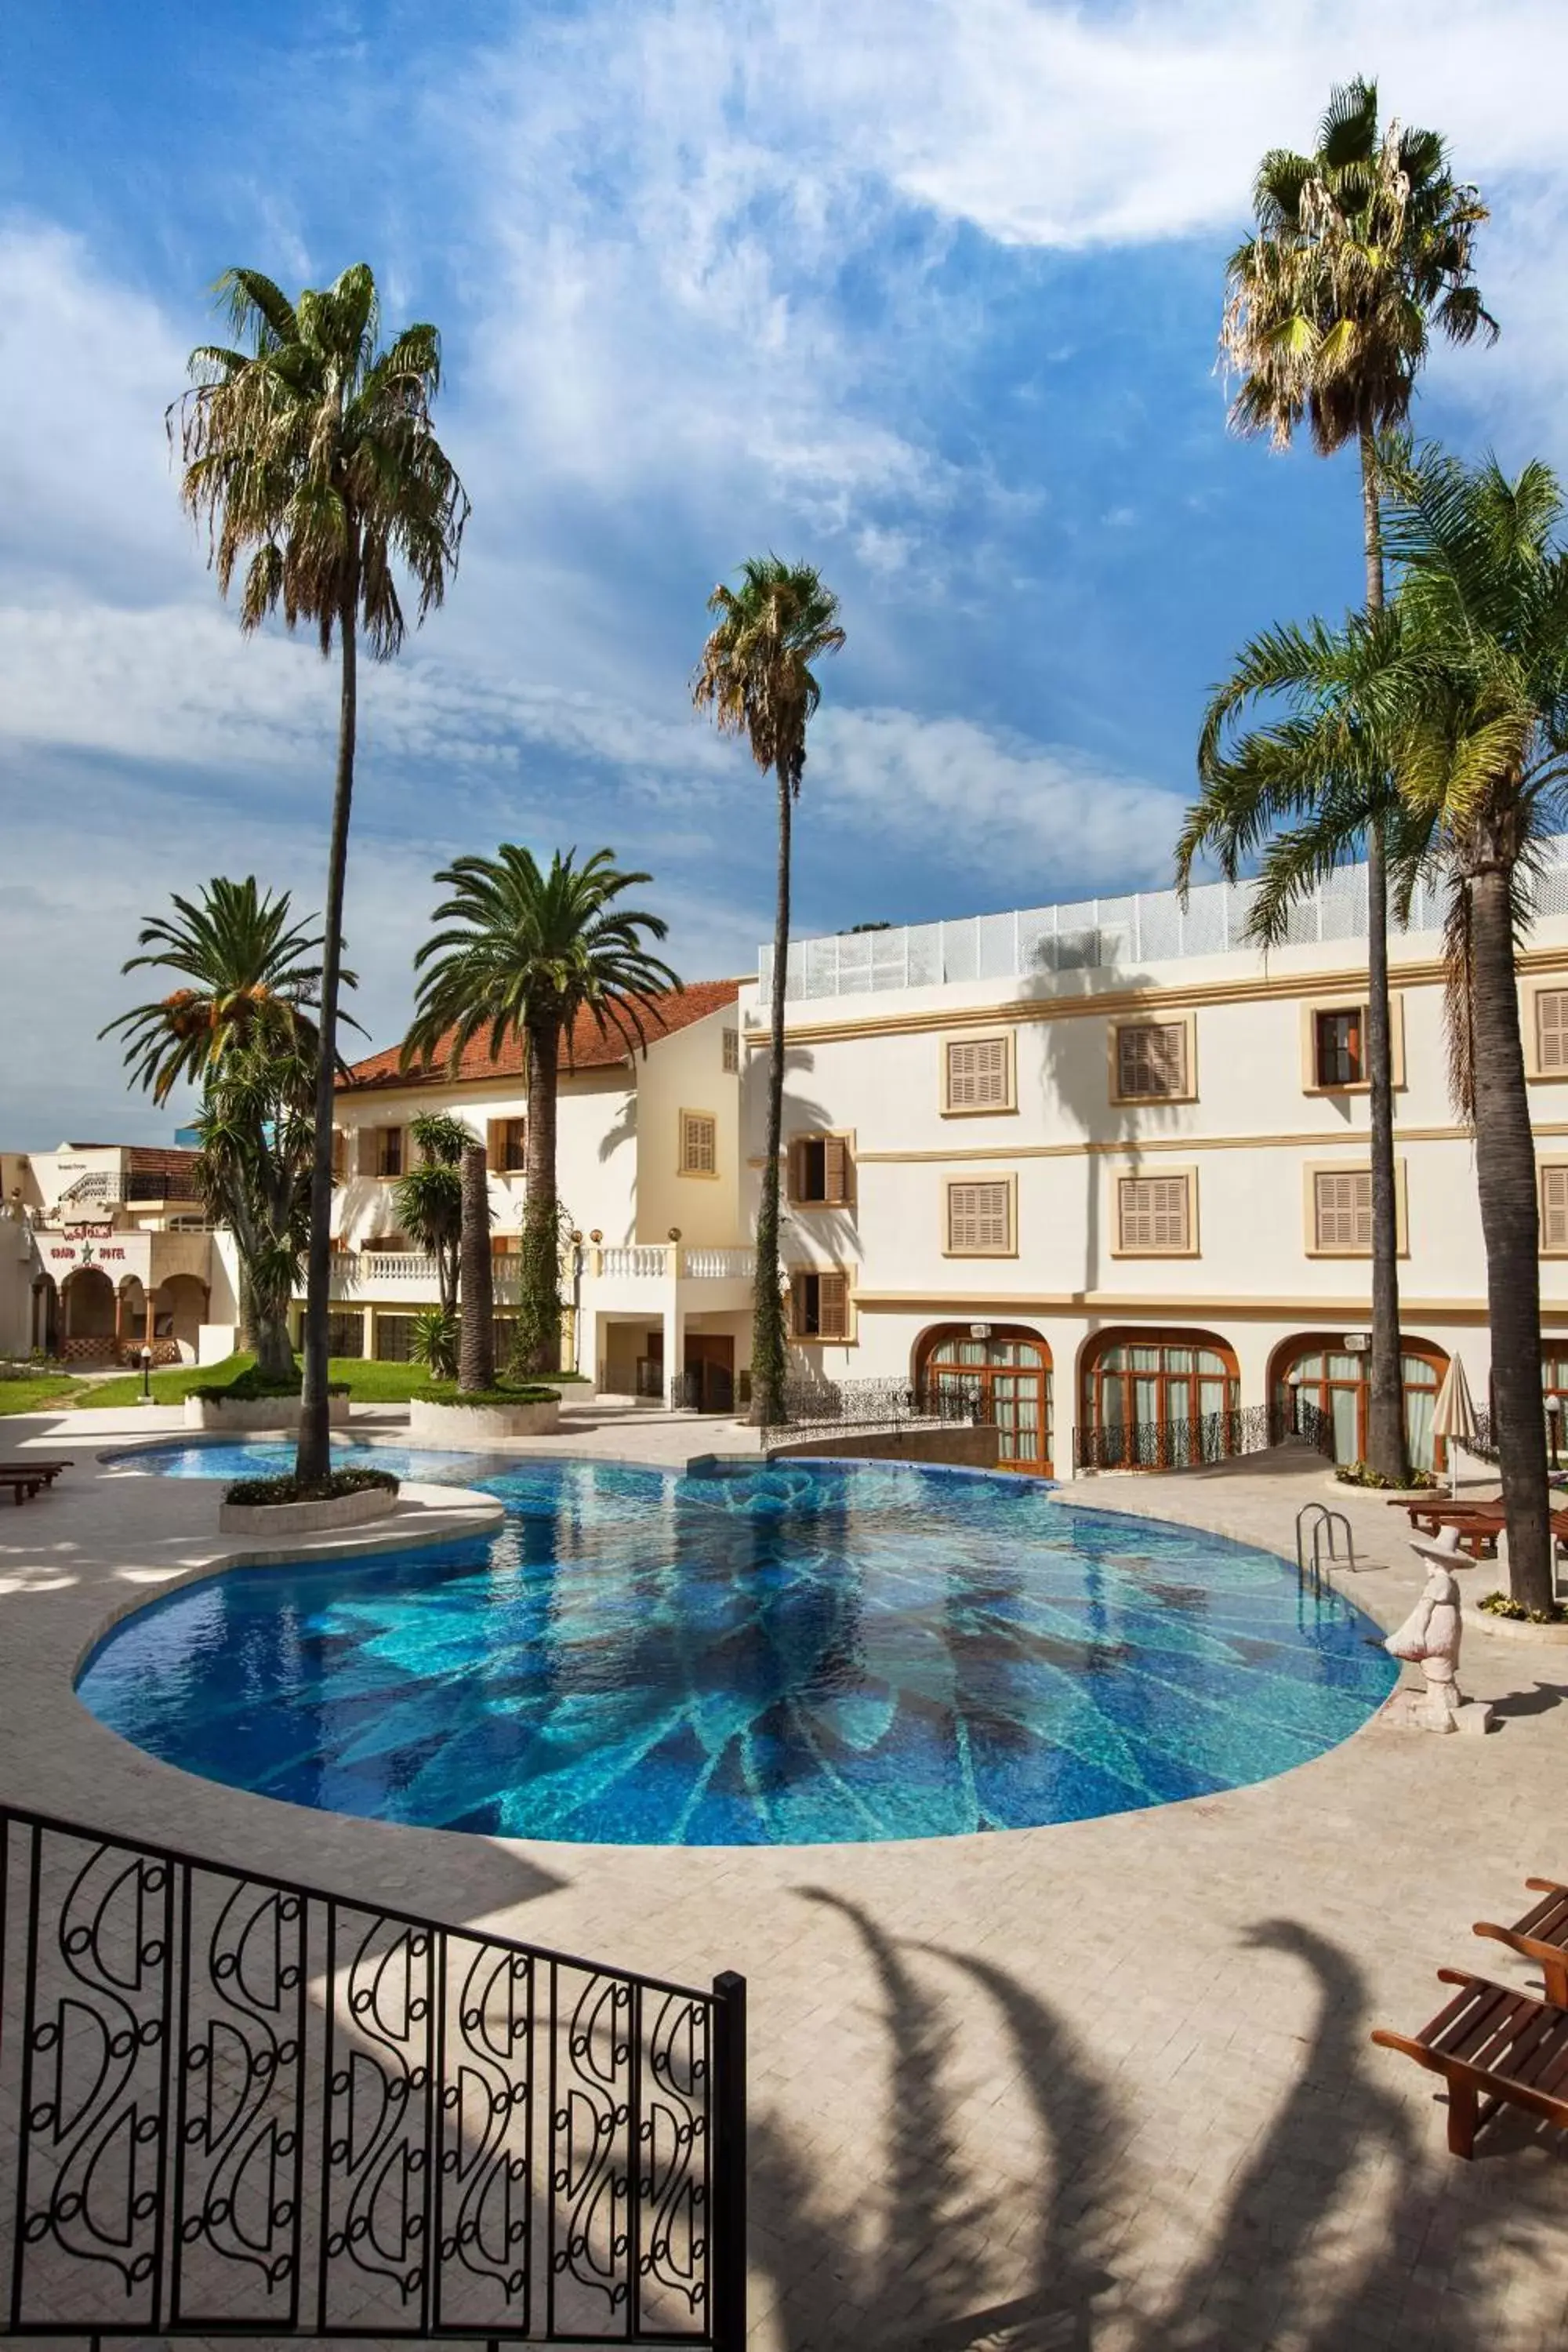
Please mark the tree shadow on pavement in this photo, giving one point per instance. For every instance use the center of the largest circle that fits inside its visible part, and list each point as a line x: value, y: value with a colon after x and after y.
x: 1345, y: 2224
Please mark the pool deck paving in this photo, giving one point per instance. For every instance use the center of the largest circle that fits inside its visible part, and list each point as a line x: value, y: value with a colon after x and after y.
x: 1106, y: 2084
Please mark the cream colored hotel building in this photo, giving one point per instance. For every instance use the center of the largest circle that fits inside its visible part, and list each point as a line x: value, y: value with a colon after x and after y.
x: 1106, y: 1157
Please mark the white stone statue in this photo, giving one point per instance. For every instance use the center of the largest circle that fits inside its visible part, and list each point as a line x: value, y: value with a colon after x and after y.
x: 1430, y: 1637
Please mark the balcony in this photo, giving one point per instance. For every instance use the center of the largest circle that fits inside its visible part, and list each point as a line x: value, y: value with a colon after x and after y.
x: 404, y: 1277
x: 668, y: 1262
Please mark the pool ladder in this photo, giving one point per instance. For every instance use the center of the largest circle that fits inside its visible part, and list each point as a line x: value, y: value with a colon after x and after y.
x: 1325, y: 1528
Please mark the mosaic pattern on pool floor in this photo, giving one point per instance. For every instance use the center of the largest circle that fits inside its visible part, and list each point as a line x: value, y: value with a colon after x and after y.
x: 774, y: 1654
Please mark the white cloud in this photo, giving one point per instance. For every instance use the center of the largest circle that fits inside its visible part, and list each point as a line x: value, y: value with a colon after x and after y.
x: 989, y: 806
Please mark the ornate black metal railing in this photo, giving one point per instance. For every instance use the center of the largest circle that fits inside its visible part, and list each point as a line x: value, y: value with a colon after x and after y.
x: 235, y: 2106
x: 1206, y: 1437
x: 813, y: 1409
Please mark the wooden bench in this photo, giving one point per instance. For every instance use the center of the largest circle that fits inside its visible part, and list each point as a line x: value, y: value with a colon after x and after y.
x: 1541, y: 1935
x: 26, y: 1479
x: 1494, y: 2049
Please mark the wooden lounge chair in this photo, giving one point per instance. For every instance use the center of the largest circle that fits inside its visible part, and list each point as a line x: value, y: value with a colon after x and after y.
x: 23, y: 1484
x: 45, y: 1472
x: 1541, y: 1935
x: 1493, y: 2048
x: 1432, y: 1511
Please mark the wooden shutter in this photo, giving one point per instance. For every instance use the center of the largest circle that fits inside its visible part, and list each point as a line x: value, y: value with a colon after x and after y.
x: 340, y: 1154
x: 835, y: 1170
x: 1342, y: 1209
x: 977, y: 1075
x: 365, y: 1140
x: 1152, y: 1058
x: 1554, y: 1208
x: 699, y: 1144
x: 1551, y: 1030
x: 732, y: 1053
x: 832, y: 1306
x: 495, y: 1145
x: 979, y: 1218
x: 1154, y: 1212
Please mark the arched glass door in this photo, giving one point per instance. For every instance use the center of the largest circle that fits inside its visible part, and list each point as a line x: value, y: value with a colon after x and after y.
x: 1009, y: 1374
x: 1306, y: 1371
x: 1156, y: 1400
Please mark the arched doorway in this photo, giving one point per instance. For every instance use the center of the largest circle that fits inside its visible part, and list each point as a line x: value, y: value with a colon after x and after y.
x: 1157, y: 1400
x: 87, y: 1304
x: 179, y: 1310
x: 45, y: 1315
x: 1315, y: 1368
x: 1009, y: 1373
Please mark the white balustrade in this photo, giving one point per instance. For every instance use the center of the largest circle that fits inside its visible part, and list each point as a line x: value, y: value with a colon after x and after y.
x: 721, y: 1265
x: 643, y: 1261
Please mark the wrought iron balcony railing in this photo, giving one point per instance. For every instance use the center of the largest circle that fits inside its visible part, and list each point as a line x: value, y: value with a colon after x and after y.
x: 235, y: 2106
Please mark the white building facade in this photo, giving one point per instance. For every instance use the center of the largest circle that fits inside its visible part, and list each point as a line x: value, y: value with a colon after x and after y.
x: 1111, y: 1164
x: 657, y: 1270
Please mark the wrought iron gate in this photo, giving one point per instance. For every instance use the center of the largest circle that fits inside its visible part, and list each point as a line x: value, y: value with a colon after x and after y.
x: 233, y: 2105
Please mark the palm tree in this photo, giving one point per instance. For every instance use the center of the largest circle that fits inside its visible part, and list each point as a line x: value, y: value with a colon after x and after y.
x: 257, y: 1130
x: 757, y: 677
x: 311, y: 456
x: 476, y: 1341
x: 527, y: 951
x: 241, y: 1027
x: 1479, y: 692
x: 428, y: 1200
x: 1360, y: 250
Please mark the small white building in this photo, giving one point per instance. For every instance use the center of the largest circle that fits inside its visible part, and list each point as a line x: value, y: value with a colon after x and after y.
x: 1110, y: 1163
x: 658, y: 1276
x: 105, y: 1248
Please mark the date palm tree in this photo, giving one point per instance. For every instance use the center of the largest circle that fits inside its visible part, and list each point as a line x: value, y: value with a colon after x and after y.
x: 526, y: 951
x: 1445, y: 719
x: 757, y: 677
x: 1481, y: 702
x: 1361, y: 250
x: 310, y: 453
x: 476, y: 1339
x: 241, y: 1026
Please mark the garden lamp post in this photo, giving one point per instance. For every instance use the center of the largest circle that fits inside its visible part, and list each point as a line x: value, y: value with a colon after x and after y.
x: 146, y: 1375
x: 1554, y: 1423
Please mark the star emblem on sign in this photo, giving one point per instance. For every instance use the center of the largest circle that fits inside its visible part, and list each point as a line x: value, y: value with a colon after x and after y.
x: 86, y: 1253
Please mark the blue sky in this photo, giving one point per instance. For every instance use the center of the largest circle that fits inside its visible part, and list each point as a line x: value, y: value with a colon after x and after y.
x: 926, y: 291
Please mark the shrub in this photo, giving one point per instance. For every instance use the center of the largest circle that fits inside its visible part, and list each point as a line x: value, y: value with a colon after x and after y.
x: 1504, y: 1604
x: 435, y: 1336
x: 1361, y: 1474
x: 313, y: 1490
x: 250, y: 1384
x: 530, y: 1394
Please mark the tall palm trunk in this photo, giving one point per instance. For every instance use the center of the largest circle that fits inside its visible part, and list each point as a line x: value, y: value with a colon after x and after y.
x: 539, y: 1315
x: 476, y: 1352
x: 1505, y: 1177
x: 313, y: 1458
x: 1385, y: 1449
x: 768, y: 1349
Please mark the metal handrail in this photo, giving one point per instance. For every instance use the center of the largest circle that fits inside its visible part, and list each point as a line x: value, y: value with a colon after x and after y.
x: 246, y: 2106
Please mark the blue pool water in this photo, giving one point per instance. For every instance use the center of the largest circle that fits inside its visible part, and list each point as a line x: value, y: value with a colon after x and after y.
x: 779, y: 1655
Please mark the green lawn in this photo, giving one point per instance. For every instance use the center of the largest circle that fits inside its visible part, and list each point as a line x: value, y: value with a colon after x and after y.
x: 41, y: 1389
x: 367, y: 1382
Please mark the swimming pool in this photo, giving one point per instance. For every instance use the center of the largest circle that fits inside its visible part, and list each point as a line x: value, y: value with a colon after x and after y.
x: 781, y: 1654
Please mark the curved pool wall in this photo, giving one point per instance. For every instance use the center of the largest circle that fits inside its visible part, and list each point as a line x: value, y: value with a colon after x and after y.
x: 792, y: 1652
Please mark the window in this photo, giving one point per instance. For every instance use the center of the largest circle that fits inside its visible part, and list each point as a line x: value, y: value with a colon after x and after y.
x: 389, y: 1152
x: 340, y: 1154
x: 1339, y: 1055
x: 1341, y: 1210
x: 732, y: 1053
x: 980, y: 1218
x: 819, y: 1305
x: 698, y: 1143
x: 1152, y: 1061
x: 1554, y: 1210
x: 1154, y: 1215
x: 977, y: 1073
x: 1552, y: 1032
x: 819, y: 1171
x: 506, y: 1145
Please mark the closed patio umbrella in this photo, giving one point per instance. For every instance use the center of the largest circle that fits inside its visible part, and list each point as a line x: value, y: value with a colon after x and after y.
x: 1453, y: 1416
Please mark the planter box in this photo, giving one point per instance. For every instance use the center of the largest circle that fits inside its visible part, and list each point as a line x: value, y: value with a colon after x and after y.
x: 466, y: 1425
x: 287, y: 1519
x: 257, y: 1412
x: 1516, y: 1629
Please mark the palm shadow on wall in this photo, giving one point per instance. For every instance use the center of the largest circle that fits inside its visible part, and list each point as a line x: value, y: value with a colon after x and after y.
x: 904, y: 2269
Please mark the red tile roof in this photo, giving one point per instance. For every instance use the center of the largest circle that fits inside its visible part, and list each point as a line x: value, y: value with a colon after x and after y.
x: 585, y: 1050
